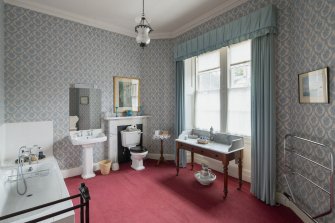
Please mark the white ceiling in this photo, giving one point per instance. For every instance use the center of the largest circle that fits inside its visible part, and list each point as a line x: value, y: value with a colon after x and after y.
x: 168, y: 18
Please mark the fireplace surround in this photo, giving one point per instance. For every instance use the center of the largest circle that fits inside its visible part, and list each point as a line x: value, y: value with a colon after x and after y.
x: 112, y: 126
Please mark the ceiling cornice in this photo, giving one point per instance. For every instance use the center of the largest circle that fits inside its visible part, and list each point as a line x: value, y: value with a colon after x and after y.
x: 226, y: 6
x: 70, y: 16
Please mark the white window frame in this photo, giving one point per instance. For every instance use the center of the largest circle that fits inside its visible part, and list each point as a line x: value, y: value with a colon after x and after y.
x: 224, y: 85
x: 196, y: 73
x: 227, y: 86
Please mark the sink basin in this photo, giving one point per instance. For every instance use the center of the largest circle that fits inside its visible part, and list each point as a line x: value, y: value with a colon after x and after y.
x: 97, y: 137
x: 86, y: 139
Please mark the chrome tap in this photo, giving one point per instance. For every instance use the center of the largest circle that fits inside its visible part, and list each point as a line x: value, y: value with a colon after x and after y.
x: 23, y: 153
x: 90, y: 132
x: 21, y: 156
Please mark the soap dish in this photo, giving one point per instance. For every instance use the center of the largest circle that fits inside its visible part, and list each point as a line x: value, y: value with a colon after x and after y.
x: 202, y: 141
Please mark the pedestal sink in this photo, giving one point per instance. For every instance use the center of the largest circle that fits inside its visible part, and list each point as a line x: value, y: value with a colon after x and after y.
x: 87, y: 139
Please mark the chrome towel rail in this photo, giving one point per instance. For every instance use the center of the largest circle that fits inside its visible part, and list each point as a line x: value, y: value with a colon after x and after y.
x: 289, y: 170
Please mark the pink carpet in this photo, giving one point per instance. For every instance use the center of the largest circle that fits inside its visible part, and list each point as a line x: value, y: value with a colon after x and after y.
x: 157, y: 195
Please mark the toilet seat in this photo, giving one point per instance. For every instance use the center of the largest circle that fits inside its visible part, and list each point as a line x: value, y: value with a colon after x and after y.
x: 138, y: 149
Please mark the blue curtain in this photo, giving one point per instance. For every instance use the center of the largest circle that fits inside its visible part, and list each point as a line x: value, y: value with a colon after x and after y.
x: 263, y: 125
x: 258, y: 23
x: 259, y: 26
x: 180, y: 108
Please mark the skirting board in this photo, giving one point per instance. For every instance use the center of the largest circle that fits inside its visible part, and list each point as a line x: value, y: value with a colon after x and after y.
x: 77, y: 171
x: 281, y: 199
x: 213, y: 164
x: 217, y: 165
x: 156, y: 156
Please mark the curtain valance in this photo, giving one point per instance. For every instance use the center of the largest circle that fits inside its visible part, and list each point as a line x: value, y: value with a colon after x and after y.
x: 258, y: 23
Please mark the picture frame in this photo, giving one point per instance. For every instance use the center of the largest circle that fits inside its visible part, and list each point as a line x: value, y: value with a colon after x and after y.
x: 314, y: 87
x: 84, y: 100
x: 126, y: 94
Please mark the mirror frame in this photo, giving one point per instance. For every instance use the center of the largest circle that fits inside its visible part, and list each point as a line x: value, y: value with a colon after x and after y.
x: 84, y: 101
x: 136, y: 92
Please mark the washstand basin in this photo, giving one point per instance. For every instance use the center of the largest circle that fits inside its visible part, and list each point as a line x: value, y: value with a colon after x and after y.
x: 87, y: 137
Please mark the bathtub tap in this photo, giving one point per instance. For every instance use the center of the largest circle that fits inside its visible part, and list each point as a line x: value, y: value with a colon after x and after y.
x: 24, y: 153
x: 20, y: 160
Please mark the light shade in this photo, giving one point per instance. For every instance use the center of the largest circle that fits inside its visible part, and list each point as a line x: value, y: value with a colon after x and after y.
x: 143, y: 29
x: 142, y: 37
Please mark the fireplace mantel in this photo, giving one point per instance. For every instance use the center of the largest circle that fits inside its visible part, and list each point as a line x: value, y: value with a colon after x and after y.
x: 111, y: 131
x: 126, y: 117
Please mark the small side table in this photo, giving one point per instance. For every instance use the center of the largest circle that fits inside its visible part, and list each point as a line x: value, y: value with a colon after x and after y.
x: 161, y: 137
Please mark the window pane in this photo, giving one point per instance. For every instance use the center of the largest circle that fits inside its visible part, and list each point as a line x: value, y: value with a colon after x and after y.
x: 208, y: 101
x: 239, y: 75
x: 209, y: 80
x: 208, y: 110
x: 209, y: 61
x: 239, y: 92
x: 207, y: 104
x: 203, y: 81
x: 239, y: 112
x: 240, y: 52
x: 207, y: 95
x: 215, y: 79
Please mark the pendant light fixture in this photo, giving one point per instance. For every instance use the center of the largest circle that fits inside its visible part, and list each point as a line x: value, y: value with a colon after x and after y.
x: 143, y: 29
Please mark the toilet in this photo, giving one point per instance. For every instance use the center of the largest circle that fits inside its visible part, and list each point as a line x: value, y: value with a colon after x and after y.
x: 131, y: 138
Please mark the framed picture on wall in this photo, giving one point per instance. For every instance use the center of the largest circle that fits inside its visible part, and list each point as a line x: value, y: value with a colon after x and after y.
x: 84, y: 100
x: 313, y: 87
x: 126, y: 94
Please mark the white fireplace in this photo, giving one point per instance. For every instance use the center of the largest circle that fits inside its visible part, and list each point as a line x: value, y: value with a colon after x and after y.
x: 112, y: 133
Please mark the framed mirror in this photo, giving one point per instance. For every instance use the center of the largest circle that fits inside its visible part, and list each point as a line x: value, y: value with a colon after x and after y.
x: 85, y: 108
x: 126, y: 94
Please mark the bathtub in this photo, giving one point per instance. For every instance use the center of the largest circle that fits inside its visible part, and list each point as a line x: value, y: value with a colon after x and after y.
x: 44, y: 184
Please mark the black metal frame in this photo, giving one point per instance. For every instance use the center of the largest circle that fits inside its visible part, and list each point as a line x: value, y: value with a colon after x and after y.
x: 84, y: 207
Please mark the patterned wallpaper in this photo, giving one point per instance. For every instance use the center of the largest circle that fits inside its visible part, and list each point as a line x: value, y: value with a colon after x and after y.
x: 84, y: 110
x: 44, y: 55
x: 95, y: 108
x: 305, y: 41
x: 158, y: 91
x: 88, y: 114
x: 2, y: 65
x: 313, y: 47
